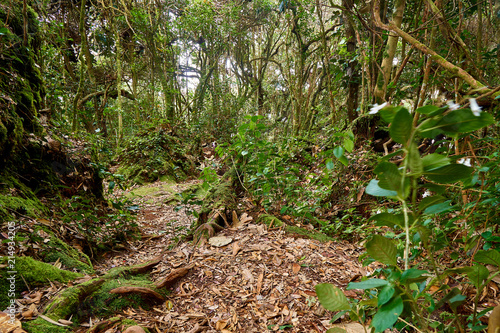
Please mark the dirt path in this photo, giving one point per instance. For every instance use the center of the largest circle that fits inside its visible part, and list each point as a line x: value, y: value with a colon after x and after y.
x: 262, y: 281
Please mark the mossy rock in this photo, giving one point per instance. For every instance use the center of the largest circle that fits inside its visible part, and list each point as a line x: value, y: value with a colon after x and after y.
x: 56, y: 249
x: 32, y: 273
x: 40, y: 325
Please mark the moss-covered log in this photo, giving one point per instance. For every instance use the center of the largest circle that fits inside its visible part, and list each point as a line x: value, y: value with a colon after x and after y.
x: 94, y: 297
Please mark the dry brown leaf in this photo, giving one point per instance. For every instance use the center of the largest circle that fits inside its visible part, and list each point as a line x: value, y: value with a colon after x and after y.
x: 219, y: 241
x: 259, y: 283
x: 8, y: 324
x: 236, y: 248
x: 295, y: 268
x: 236, y: 222
x: 220, y: 325
x: 245, y: 218
x: 35, y: 298
x: 31, y: 312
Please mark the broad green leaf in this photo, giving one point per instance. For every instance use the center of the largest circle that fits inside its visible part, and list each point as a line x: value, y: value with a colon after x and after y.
x: 388, y: 314
x: 385, y: 294
x: 382, y: 249
x: 389, y: 176
x: 428, y: 129
x: 338, y: 151
x: 456, y: 301
x: 401, y: 127
x: 412, y: 274
x: 478, y: 274
x: 415, y: 161
x: 430, y: 201
x: 344, y: 160
x: 427, y: 109
x: 434, y: 161
x: 374, y: 189
x: 490, y: 257
x: 367, y: 284
x: 348, y: 144
x: 438, y: 189
x: 439, y: 208
x: 450, y: 173
x: 464, y: 121
x: 388, y: 219
x: 331, y: 297
x: 388, y: 113
x: 329, y: 164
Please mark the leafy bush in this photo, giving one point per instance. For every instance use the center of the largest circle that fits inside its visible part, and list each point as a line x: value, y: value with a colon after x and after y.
x: 411, y: 289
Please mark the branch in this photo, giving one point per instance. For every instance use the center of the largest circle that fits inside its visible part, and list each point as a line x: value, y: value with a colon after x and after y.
x: 455, y: 70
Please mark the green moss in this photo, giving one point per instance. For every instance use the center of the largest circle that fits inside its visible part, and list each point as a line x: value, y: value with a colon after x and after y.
x: 103, y: 303
x: 70, y: 257
x: 32, y: 273
x: 40, y: 325
x: 270, y: 220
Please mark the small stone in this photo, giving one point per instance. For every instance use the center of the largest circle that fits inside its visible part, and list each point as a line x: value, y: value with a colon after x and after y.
x: 134, y: 329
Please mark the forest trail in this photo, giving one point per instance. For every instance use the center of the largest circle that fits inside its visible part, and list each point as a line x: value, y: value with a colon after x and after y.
x: 261, y: 281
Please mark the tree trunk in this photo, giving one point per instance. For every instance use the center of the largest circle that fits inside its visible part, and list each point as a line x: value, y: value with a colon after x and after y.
x: 384, y: 76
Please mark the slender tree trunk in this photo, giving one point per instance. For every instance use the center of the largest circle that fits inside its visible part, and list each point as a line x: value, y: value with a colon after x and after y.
x: 119, y: 110
x: 352, y: 71
x: 384, y: 75
x: 79, y: 91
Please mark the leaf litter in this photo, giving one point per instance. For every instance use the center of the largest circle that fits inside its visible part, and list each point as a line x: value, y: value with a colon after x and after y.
x: 251, y: 279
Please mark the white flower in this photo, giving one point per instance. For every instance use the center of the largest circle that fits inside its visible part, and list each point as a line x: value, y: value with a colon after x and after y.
x: 376, y: 108
x: 476, y: 109
x: 464, y: 161
x: 426, y: 194
x: 452, y: 105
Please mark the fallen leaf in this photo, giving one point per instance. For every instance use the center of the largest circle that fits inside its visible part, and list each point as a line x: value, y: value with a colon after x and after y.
x: 295, y: 268
x: 236, y: 248
x: 219, y: 241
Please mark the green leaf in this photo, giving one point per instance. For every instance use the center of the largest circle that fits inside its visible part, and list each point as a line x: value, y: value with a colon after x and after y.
x: 368, y: 284
x: 401, y: 127
x: 456, y: 301
x: 427, y: 109
x: 338, y: 151
x: 382, y: 249
x: 344, y: 160
x: 464, y: 121
x: 439, y: 208
x: 385, y: 294
x: 415, y: 161
x: 434, y: 161
x: 331, y: 297
x: 388, y: 314
x: 430, y: 201
x: 412, y: 274
x: 388, y: 113
x: 377, y: 191
x: 478, y: 274
x: 388, y: 219
x: 348, y: 144
x: 329, y: 164
x: 490, y: 257
x: 450, y: 173
x: 390, y: 178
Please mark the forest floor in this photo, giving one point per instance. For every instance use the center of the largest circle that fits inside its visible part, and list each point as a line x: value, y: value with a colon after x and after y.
x: 261, y: 281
